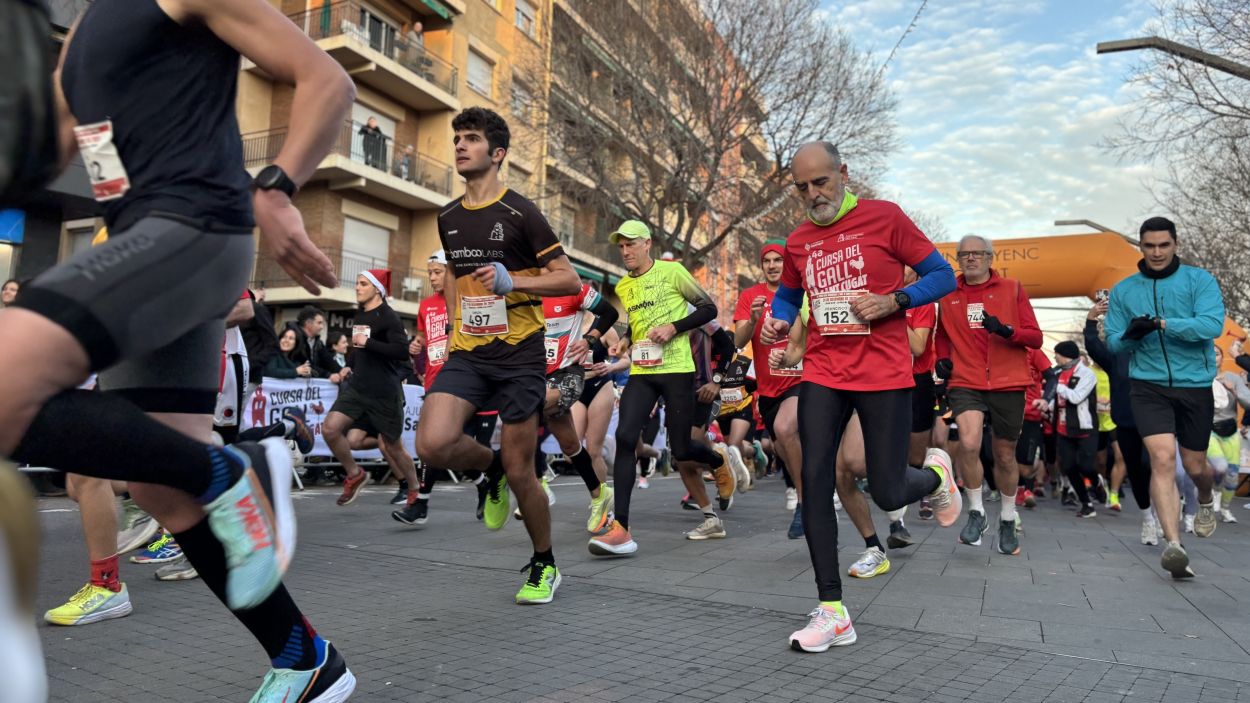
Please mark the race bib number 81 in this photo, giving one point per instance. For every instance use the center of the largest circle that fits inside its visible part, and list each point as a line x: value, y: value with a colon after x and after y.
x: 646, y: 354
x: 832, y: 310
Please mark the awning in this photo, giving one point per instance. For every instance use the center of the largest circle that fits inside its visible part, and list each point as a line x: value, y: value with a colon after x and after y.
x: 439, y: 9
x: 595, y: 274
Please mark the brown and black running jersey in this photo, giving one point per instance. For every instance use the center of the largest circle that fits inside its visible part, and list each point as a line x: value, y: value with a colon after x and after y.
x: 512, y: 231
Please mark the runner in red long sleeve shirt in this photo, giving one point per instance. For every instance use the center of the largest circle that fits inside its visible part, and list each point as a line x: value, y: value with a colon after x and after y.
x: 985, y: 330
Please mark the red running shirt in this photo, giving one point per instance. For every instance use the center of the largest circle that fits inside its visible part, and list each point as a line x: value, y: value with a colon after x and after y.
x: 432, y: 320
x: 924, y: 317
x: 771, y: 385
x: 866, y: 250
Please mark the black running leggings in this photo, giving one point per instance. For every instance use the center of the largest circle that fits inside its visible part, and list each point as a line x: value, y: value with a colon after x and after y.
x: 1136, y: 464
x: 886, y: 420
x: 1076, y: 461
x: 637, y: 400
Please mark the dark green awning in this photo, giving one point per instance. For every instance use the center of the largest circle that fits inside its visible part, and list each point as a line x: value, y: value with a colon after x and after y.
x: 439, y: 9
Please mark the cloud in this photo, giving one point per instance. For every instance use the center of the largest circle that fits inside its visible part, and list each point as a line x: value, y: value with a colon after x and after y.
x: 1002, y: 107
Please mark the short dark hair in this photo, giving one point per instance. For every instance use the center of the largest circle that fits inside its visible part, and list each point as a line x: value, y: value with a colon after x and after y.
x: 307, y: 313
x: 488, y: 122
x: 1158, y: 224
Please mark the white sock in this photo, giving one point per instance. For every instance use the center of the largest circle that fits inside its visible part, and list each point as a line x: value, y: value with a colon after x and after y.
x: 974, y: 499
x: 1008, y: 509
x: 708, y: 510
x: 897, y: 515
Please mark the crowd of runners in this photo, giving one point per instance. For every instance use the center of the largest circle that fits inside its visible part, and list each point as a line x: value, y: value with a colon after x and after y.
x: 861, y: 368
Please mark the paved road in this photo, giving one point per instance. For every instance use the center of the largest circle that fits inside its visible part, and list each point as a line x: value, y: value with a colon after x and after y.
x: 1083, y: 614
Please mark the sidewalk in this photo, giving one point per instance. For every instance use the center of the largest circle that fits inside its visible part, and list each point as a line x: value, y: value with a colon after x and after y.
x: 426, y: 614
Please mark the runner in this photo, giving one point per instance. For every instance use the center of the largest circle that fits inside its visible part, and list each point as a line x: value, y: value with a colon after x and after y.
x: 657, y: 296
x: 778, y: 391
x: 149, y: 304
x: 592, y: 413
x: 1075, y: 415
x: 1109, y: 463
x: 566, y: 382
x: 712, y: 350
x: 1029, y: 446
x: 984, y: 332
x: 1168, y: 316
x: 735, y: 417
x: 1136, y: 463
x: 371, y: 390
x: 1224, y: 451
x: 503, y: 259
x: 849, y: 258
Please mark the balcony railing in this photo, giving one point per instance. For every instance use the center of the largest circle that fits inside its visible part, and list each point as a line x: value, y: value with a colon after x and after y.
x: 349, y: 18
x: 260, y: 148
x: 406, y: 284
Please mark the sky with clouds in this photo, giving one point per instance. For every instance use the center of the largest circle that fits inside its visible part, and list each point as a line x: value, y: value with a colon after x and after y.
x: 1002, y: 105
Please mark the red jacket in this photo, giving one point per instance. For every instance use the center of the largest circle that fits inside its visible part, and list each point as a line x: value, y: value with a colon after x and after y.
x: 984, y: 361
x: 1038, y: 365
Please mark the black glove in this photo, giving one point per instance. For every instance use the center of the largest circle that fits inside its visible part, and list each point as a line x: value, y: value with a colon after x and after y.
x: 993, y: 326
x: 1139, y: 327
x: 943, y: 367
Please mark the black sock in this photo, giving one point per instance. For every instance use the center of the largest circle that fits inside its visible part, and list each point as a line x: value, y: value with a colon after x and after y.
x: 585, y: 469
x: 1029, y: 483
x: 277, y: 623
x: 495, y: 470
x: 545, y: 557
x: 870, y: 542
x: 115, y: 440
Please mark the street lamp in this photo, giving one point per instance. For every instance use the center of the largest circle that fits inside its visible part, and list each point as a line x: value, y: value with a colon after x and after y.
x: 1094, y: 225
x: 1188, y: 53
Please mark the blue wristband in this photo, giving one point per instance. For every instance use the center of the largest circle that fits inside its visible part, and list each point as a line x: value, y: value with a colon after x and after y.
x: 503, y: 279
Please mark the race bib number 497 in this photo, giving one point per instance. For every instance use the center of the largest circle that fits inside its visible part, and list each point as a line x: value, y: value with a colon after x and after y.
x: 832, y: 310
x: 483, y: 315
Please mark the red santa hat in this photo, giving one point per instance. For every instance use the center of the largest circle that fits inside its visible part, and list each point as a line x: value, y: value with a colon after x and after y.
x: 380, y: 278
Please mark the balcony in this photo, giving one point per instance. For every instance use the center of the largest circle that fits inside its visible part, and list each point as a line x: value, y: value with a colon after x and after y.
x: 411, y: 181
x: 376, y: 55
x: 409, y: 285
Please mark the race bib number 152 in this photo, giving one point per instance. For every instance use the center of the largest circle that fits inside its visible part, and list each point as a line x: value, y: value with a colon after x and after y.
x: 833, y: 313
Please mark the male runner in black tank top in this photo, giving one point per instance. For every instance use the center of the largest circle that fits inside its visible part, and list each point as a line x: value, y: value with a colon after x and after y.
x: 147, y: 92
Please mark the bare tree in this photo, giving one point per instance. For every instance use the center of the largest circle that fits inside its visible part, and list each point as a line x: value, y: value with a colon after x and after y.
x: 685, y: 114
x: 1195, y: 122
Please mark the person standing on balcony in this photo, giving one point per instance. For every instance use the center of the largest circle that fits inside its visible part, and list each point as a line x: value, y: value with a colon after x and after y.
x: 373, y: 142
x: 406, y: 165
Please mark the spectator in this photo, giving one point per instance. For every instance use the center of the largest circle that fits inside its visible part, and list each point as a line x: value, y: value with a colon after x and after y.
x: 406, y: 165
x: 1075, y: 412
x: 312, y: 322
x: 373, y: 141
x: 9, y: 292
x: 339, y: 344
x: 260, y: 340
x: 286, y: 364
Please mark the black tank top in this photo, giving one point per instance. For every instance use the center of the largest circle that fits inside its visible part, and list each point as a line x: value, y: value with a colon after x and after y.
x: 169, y: 90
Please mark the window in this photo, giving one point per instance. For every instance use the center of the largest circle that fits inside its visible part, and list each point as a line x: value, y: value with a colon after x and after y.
x: 481, y: 74
x: 525, y: 18
x: 379, y: 32
x: 78, y: 236
x: 365, y: 246
x: 522, y: 101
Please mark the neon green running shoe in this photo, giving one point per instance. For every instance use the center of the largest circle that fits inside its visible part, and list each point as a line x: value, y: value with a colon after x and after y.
x: 498, y: 500
x: 601, y: 511
x: 541, y: 584
x: 91, y: 604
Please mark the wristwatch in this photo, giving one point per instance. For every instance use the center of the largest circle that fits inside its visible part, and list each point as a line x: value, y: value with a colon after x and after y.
x: 902, y: 299
x: 590, y: 338
x: 272, y: 177
x: 717, y: 378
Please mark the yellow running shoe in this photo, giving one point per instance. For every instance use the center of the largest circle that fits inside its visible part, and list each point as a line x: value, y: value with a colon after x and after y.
x: 91, y: 604
x: 600, y: 511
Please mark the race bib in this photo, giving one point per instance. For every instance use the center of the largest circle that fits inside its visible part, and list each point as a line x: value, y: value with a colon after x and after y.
x: 109, y: 180
x: 833, y: 313
x: 796, y: 370
x: 483, y: 315
x: 976, y: 316
x: 361, y: 330
x: 437, y: 352
x: 646, y: 354
x: 551, y: 345
x: 731, y: 396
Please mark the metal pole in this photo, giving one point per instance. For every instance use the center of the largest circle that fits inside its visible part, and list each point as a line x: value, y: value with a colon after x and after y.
x: 1188, y: 53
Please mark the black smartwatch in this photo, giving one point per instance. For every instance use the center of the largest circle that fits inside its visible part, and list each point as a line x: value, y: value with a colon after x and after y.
x: 902, y: 299
x: 272, y: 177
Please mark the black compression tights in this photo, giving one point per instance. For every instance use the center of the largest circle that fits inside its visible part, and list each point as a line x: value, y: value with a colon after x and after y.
x: 885, y: 417
x: 1136, y: 464
x: 638, y: 399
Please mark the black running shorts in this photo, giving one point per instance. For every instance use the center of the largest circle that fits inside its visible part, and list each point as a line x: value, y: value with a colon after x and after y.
x: 517, y: 393
x: 384, y: 414
x: 1005, y: 409
x: 1187, y: 413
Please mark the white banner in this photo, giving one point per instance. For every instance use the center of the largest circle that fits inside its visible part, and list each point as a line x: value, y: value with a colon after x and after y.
x: 315, y: 397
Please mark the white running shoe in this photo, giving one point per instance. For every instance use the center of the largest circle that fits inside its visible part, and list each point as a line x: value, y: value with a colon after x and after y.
x: 740, y: 469
x: 827, y: 628
x: 1227, y: 516
x: 792, y: 499
x: 1189, y: 524
x: 1149, y: 530
x: 137, y: 528
x: 873, y: 562
x: 711, y: 528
